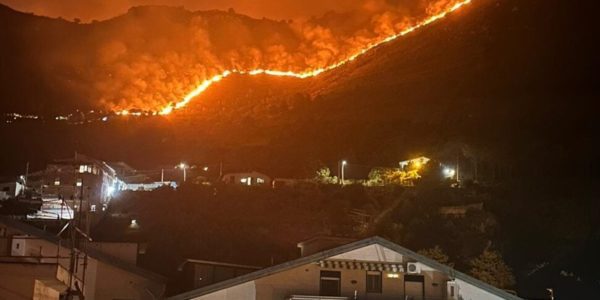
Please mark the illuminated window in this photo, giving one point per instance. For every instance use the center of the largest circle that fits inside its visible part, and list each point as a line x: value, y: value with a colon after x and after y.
x: 79, y: 182
x: 260, y: 180
x: 373, y: 282
x: 93, y: 207
x: 57, y: 181
x: 243, y: 180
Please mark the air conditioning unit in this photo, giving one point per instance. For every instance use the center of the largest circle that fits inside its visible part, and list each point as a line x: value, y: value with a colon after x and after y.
x: 413, y: 268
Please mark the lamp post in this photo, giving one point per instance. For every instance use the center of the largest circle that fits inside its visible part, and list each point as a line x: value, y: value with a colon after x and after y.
x: 184, y: 168
x: 344, y: 163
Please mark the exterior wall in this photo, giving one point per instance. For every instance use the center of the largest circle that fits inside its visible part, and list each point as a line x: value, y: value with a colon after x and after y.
x: 305, y: 280
x: 467, y: 291
x: 102, y: 281
x: 245, y: 291
x: 125, y: 251
x: 47, y: 290
x: 114, y: 283
x: 17, y: 280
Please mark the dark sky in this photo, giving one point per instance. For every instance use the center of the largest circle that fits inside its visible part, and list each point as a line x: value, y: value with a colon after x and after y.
x: 87, y: 10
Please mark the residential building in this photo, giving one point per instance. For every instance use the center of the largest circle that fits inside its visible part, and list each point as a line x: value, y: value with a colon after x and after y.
x: 79, y: 179
x: 372, y: 268
x: 11, y: 190
x: 35, y: 264
x: 250, y: 179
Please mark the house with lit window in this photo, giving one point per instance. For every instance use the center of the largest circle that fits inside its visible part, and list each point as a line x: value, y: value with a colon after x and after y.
x: 250, y: 179
x: 74, y: 181
x: 372, y: 268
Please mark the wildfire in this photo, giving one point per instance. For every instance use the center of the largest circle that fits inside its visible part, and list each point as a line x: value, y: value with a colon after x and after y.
x: 306, y: 74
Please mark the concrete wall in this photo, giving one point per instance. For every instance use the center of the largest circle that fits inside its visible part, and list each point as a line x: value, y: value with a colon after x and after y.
x: 245, y: 291
x: 17, y: 280
x: 102, y: 280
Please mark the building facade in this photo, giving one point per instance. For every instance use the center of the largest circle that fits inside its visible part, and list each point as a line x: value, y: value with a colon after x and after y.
x: 369, y: 269
x: 35, y: 265
x: 79, y: 179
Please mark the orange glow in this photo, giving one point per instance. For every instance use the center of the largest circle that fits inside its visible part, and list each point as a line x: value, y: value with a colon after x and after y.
x: 204, y: 85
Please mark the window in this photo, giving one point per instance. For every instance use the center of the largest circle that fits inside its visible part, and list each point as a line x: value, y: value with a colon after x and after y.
x: 79, y: 182
x: 260, y: 180
x: 57, y: 181
x: 373, y: 282
x: 330, y: 283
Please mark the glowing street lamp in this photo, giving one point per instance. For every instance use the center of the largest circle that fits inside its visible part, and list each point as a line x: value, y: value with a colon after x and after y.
x: 344, y: 163
x: 184, y: 167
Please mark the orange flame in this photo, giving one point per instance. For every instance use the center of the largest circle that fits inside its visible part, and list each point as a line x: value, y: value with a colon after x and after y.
x: 301, y: 75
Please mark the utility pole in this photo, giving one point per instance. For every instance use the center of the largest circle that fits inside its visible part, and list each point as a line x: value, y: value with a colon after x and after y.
x: 26, y: 174
x: 457, y: 170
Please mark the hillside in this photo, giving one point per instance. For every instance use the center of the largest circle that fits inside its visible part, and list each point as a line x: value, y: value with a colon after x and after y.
x: 490, y: 76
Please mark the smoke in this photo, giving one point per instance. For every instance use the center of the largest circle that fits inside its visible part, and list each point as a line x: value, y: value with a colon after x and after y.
x: 89, y: 10
x: 153, y: 56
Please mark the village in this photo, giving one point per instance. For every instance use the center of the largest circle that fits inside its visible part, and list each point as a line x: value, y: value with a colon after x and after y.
x: 80, y: 222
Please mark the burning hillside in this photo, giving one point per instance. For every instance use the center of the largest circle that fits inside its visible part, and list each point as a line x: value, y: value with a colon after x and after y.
x: 158, y: 59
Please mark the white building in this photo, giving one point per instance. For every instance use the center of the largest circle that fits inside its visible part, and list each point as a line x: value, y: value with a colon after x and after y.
x: 34, y: 264
x: 373, y: 268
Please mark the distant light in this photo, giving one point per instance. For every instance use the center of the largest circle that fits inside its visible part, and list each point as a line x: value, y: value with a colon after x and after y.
x: 393, y: 275
x: 134, y: 224
x: 449, y: 172
x: 344, y: 162
x: 182, y: 166
x: 104, y: 119
x: 205, y: 169
x: 244, y: 180
x: 110, y: 190
x: 417, y: 164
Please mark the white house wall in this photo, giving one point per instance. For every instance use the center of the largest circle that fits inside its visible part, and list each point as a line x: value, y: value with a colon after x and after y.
x: 467, y: 291
x: 242, y: 291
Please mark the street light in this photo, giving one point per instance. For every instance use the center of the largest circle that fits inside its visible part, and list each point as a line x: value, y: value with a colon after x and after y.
x: 449, y: 172
x: 344, y: 163
x: 184, y: 167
